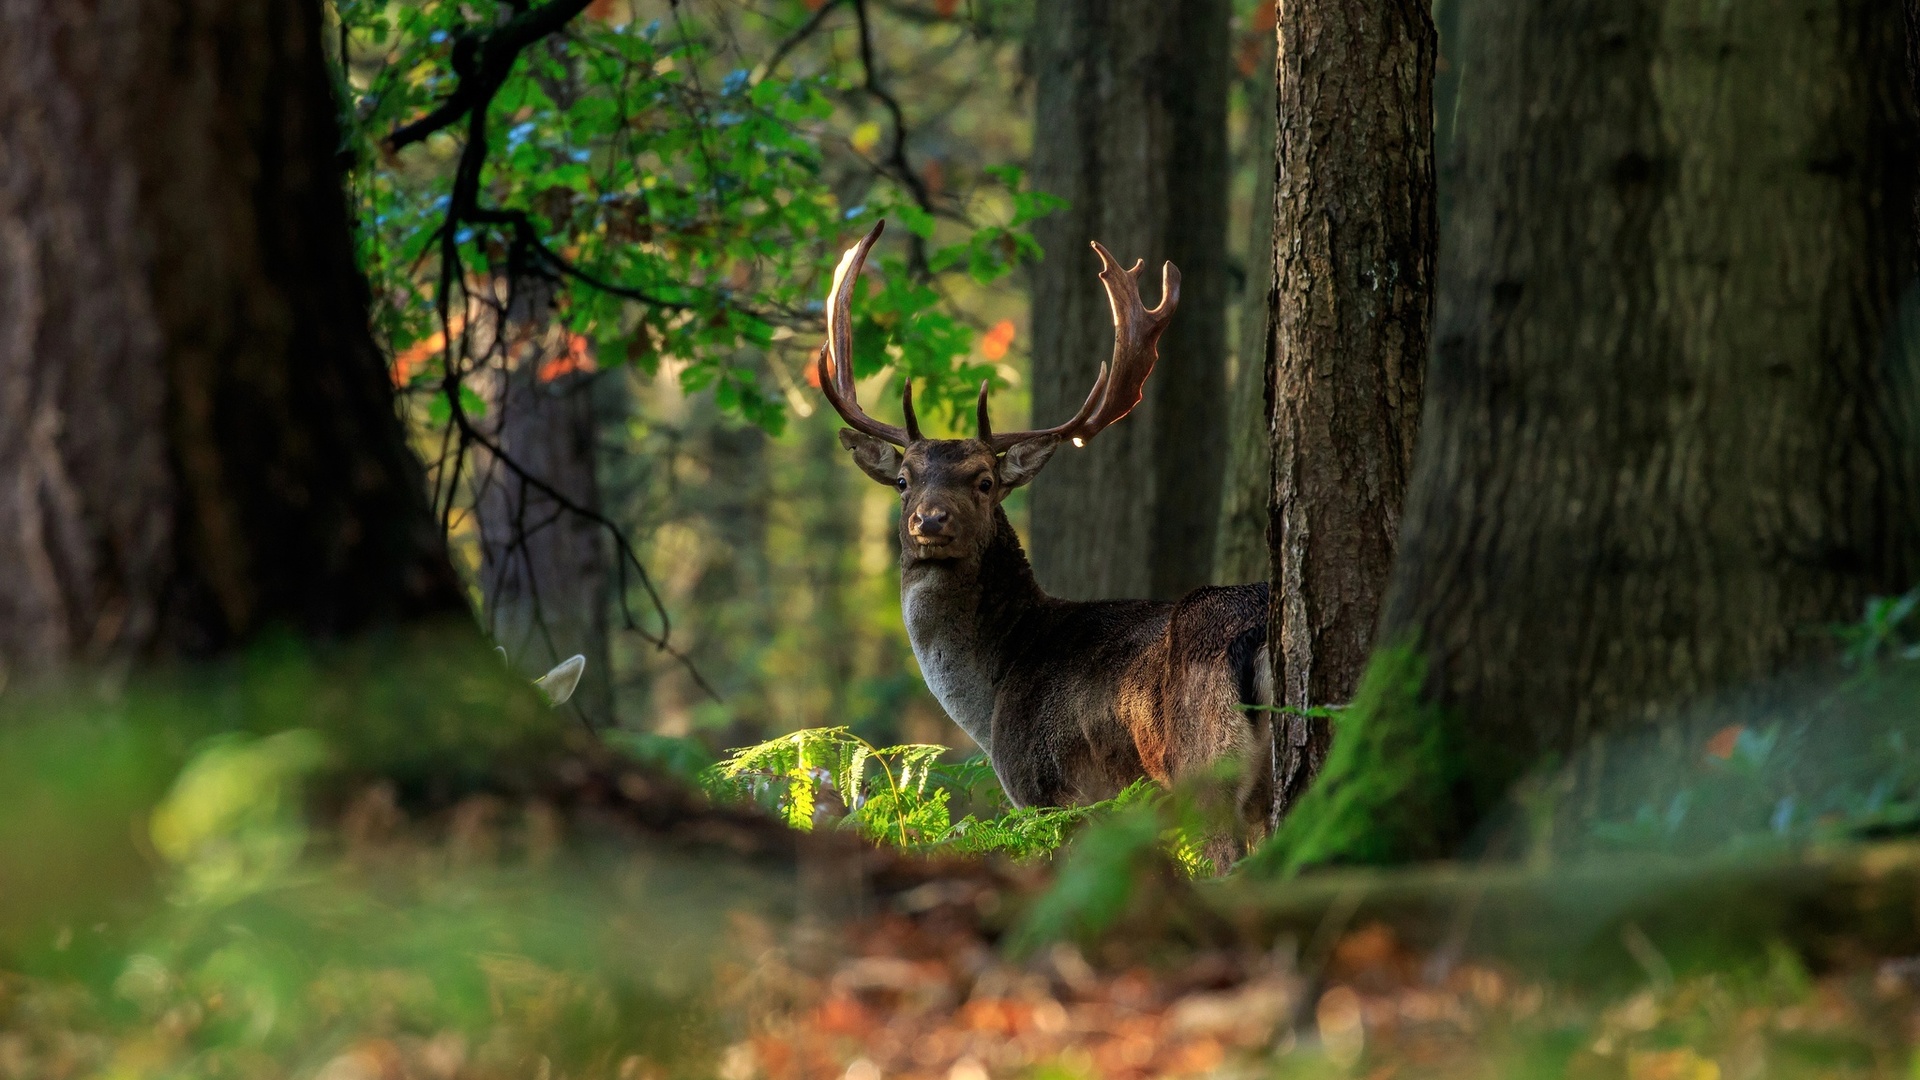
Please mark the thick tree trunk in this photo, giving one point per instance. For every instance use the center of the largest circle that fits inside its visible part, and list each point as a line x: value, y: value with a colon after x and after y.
x: 197, y: 438
x: 1663, y: 449
x: 1352, y: 305
x: 545, y: 569
x: 1131, y: 131
x: 1241, y: 552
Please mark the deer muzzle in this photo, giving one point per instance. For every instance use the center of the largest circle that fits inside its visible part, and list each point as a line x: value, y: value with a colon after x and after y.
x: 930, y: 525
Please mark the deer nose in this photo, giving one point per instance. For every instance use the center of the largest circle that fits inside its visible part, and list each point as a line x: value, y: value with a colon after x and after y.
x: 928, y: 521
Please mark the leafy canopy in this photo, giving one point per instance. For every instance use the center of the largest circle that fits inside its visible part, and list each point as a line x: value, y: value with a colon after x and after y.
x: 685, y: 208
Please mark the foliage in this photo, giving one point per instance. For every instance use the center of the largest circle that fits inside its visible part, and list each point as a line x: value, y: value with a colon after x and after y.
x: 681, y: 178
x: 1887, y: 630
x: 232, y: 822
x: 175, y: 907
x: 1383, y: 794
x: 685, y: 210
x: 900, y: 795
x: 1818, y: 763
x: 1810, y: 758
x: 1105, y: 866
x: 791, y: 773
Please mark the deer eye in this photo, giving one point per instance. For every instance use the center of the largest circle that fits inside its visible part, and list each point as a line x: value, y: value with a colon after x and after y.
x: 986, y: 485
x: 900, y: 484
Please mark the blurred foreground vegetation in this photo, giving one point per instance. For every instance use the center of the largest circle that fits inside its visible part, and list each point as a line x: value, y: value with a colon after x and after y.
x: 377, y: 862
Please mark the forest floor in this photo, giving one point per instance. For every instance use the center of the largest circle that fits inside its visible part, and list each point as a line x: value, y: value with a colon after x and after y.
x: 924, y: 990
x: 472, y: 954
x: 316, y: 891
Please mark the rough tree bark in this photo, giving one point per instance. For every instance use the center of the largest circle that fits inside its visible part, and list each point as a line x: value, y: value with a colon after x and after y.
x: 197, y: 438
x: 1351, y: 309
x: 1131, y: 100
x: 1662, y: 448
x: 545, y: 570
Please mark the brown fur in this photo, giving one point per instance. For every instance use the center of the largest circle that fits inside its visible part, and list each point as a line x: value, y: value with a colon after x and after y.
x: 1072, y: 701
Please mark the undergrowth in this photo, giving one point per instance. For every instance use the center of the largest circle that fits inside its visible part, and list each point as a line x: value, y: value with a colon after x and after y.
x: 1382, y: 794
x: 907, y: 796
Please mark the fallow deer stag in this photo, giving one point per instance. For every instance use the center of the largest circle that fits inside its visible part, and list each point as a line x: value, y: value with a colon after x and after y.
x: 1071, y: 701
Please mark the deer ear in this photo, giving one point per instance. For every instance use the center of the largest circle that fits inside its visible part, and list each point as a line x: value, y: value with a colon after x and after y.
x: 876, y: 457
x: 1024, y: 460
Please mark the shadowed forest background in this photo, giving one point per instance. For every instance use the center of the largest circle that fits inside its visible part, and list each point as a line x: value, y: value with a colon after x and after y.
x: 363, y: 362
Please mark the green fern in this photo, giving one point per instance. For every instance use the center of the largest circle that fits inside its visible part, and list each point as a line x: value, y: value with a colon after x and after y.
x: 884, y: 789
x: 902, y: 795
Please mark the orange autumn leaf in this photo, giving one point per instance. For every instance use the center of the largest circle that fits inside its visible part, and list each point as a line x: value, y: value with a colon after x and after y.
x: 845, y: 1016
x: 577, y: 358
x: 1257, y: 41
x: 410, y: 360
x: 1722, y: 744
x: 994, y: 344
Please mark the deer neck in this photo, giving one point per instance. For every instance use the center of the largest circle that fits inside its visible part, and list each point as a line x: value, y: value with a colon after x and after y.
x: 961, y: 615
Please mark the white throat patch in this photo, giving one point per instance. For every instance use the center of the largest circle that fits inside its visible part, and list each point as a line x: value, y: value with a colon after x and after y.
x: 947, y: 649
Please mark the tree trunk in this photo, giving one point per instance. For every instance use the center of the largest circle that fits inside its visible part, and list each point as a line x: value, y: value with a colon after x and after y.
x: 197, y: 436
x: 1131, y: 99
x: 1663, y: 448
x: 1352, y: 307
x: 545, y: 570
x: 1241, y: 552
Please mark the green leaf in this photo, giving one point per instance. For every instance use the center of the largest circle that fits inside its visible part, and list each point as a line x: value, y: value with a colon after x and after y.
x: 471, y: 403
x: 915, y: 220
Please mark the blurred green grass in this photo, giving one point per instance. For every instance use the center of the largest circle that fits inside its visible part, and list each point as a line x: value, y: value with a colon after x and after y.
x: 343, y: 862
x: 260, y: 867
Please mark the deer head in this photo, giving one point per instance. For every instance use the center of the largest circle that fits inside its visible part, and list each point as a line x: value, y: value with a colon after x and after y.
x: 950, y: 488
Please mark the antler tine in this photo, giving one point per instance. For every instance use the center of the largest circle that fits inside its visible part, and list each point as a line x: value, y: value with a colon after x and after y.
x: 836, y: 357
x: 1136, y: 342
x: 980, y: 412
x: 906, y: 406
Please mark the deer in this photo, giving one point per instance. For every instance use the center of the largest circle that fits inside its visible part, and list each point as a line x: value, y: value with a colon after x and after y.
x: 1071, y: 701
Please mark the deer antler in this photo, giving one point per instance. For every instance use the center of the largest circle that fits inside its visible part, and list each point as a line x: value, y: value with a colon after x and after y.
x: 1116, y: 390
x: 1136, y: 340
x: 836, y: 357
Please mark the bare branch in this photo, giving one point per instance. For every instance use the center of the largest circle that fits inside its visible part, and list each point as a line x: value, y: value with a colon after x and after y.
x: 627, y: 556
x: 897, y: 162
x: 804, y: 32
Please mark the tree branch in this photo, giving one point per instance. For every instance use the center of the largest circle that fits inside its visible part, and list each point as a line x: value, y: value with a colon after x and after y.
x: 804, y: 32
x: 901, y: 168
x: 483, y: 61
x: 627, y: 555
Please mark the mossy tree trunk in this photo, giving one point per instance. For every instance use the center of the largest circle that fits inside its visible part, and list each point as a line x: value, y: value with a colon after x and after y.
x: 1351, y: 308
x: 197, y: 435
x: 1663, y: 448
x: 1130, y: 122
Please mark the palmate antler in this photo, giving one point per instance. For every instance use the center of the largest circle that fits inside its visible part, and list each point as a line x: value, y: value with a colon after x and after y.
x: 1116, y: 390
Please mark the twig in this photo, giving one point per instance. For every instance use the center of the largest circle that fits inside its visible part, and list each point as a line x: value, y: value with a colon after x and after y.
x: 483, y: 61
x: 627, y: 555
x: 804, y: 32
x: 902, y: 169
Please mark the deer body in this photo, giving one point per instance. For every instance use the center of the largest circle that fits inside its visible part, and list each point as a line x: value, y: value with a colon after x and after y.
x: 1072, y: 701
